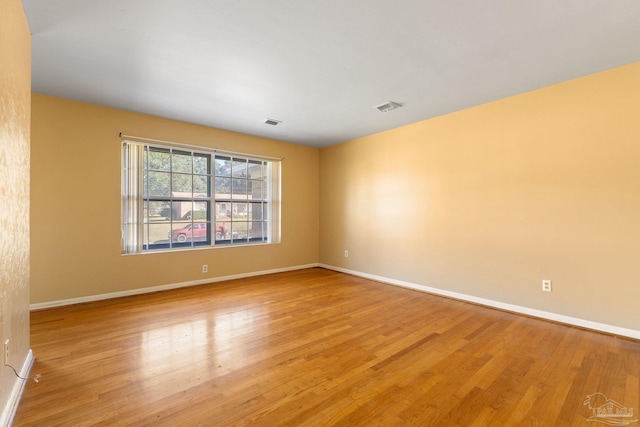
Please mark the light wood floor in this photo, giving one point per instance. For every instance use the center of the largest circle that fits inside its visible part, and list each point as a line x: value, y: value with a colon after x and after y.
x: 315, y: 348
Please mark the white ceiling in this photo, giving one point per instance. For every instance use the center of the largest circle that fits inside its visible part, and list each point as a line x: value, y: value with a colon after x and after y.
x: 320, y: 66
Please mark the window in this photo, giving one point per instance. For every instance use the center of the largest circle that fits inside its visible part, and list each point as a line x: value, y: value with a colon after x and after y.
x: 174, y: 197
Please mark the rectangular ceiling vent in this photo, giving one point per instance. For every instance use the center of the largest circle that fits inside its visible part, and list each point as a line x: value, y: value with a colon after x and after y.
x: 272, y: 122
x: 388, y: 106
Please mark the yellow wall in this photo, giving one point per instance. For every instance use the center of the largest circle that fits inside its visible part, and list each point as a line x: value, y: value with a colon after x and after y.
x: 15, y: 92
x: 491, y: 200
x: 76, y: 204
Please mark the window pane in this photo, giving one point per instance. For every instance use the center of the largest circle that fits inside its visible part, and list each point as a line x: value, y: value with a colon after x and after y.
x: 239, y: 231
x: 265, y: 211
x: 222, y: 231
x: 257, y: 230
x: 223, y: 188
x: 256, y: 170
x: 223, y: 166
x: 256, y: 190
x: 201, y: 164
x: 182, y: 211
x: 239, y: 188
x: 157, y: 159
x: 200, y: 186
x: 158, y: 232
x: 181, y: 233
x: 223, y: 211
x: 240, y: 168
x: 182, y: 185
x: 159, y: 211
x: 200, y: 211
x: 255, y: 212
x: 181, y: 162
x: 145, y: 212
x: 145, y: 233
x: 239, y: 211
x: 200, y: 231
x: 157, y: 184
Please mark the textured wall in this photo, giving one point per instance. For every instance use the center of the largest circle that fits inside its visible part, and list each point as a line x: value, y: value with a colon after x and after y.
x: 15, y: 101
x: 491, y: 200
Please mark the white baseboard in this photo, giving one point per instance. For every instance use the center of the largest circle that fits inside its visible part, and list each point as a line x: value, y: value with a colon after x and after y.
x: 11, y: 406
x: 583, y: 323
x: 139, y: 291
x: 588, y: 324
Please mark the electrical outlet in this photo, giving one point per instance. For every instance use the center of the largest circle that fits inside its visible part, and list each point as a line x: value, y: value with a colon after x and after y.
x: 205, y: 268
x: 546, y: 285
x: 6, y: 352
x: 346, y: 254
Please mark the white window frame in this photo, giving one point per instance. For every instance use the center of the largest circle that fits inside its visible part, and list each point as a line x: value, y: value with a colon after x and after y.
x: 135, y: 218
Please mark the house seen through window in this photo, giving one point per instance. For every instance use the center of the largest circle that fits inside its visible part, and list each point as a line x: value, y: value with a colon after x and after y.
x: 174, y: 198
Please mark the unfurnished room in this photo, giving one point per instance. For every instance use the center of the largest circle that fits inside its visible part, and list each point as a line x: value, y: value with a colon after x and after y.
x: 337, y: 213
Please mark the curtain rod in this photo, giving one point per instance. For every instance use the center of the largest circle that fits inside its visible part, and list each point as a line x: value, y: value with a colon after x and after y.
x: 197, y: 147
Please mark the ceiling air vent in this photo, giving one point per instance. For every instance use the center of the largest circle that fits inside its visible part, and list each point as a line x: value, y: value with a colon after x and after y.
x: 388, y: 106
x: 272, y: 122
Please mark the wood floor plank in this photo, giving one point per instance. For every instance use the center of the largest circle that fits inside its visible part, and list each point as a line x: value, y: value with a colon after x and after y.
x: 315, y: 347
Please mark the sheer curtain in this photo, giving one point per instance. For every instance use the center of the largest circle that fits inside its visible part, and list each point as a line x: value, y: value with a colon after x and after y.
x: 132, y: 212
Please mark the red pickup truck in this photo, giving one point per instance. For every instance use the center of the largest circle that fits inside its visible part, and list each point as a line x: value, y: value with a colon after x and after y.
x: 197, y: 231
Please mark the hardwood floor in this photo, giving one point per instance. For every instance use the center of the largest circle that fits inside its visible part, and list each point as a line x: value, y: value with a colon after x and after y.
x: 315, y: 348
